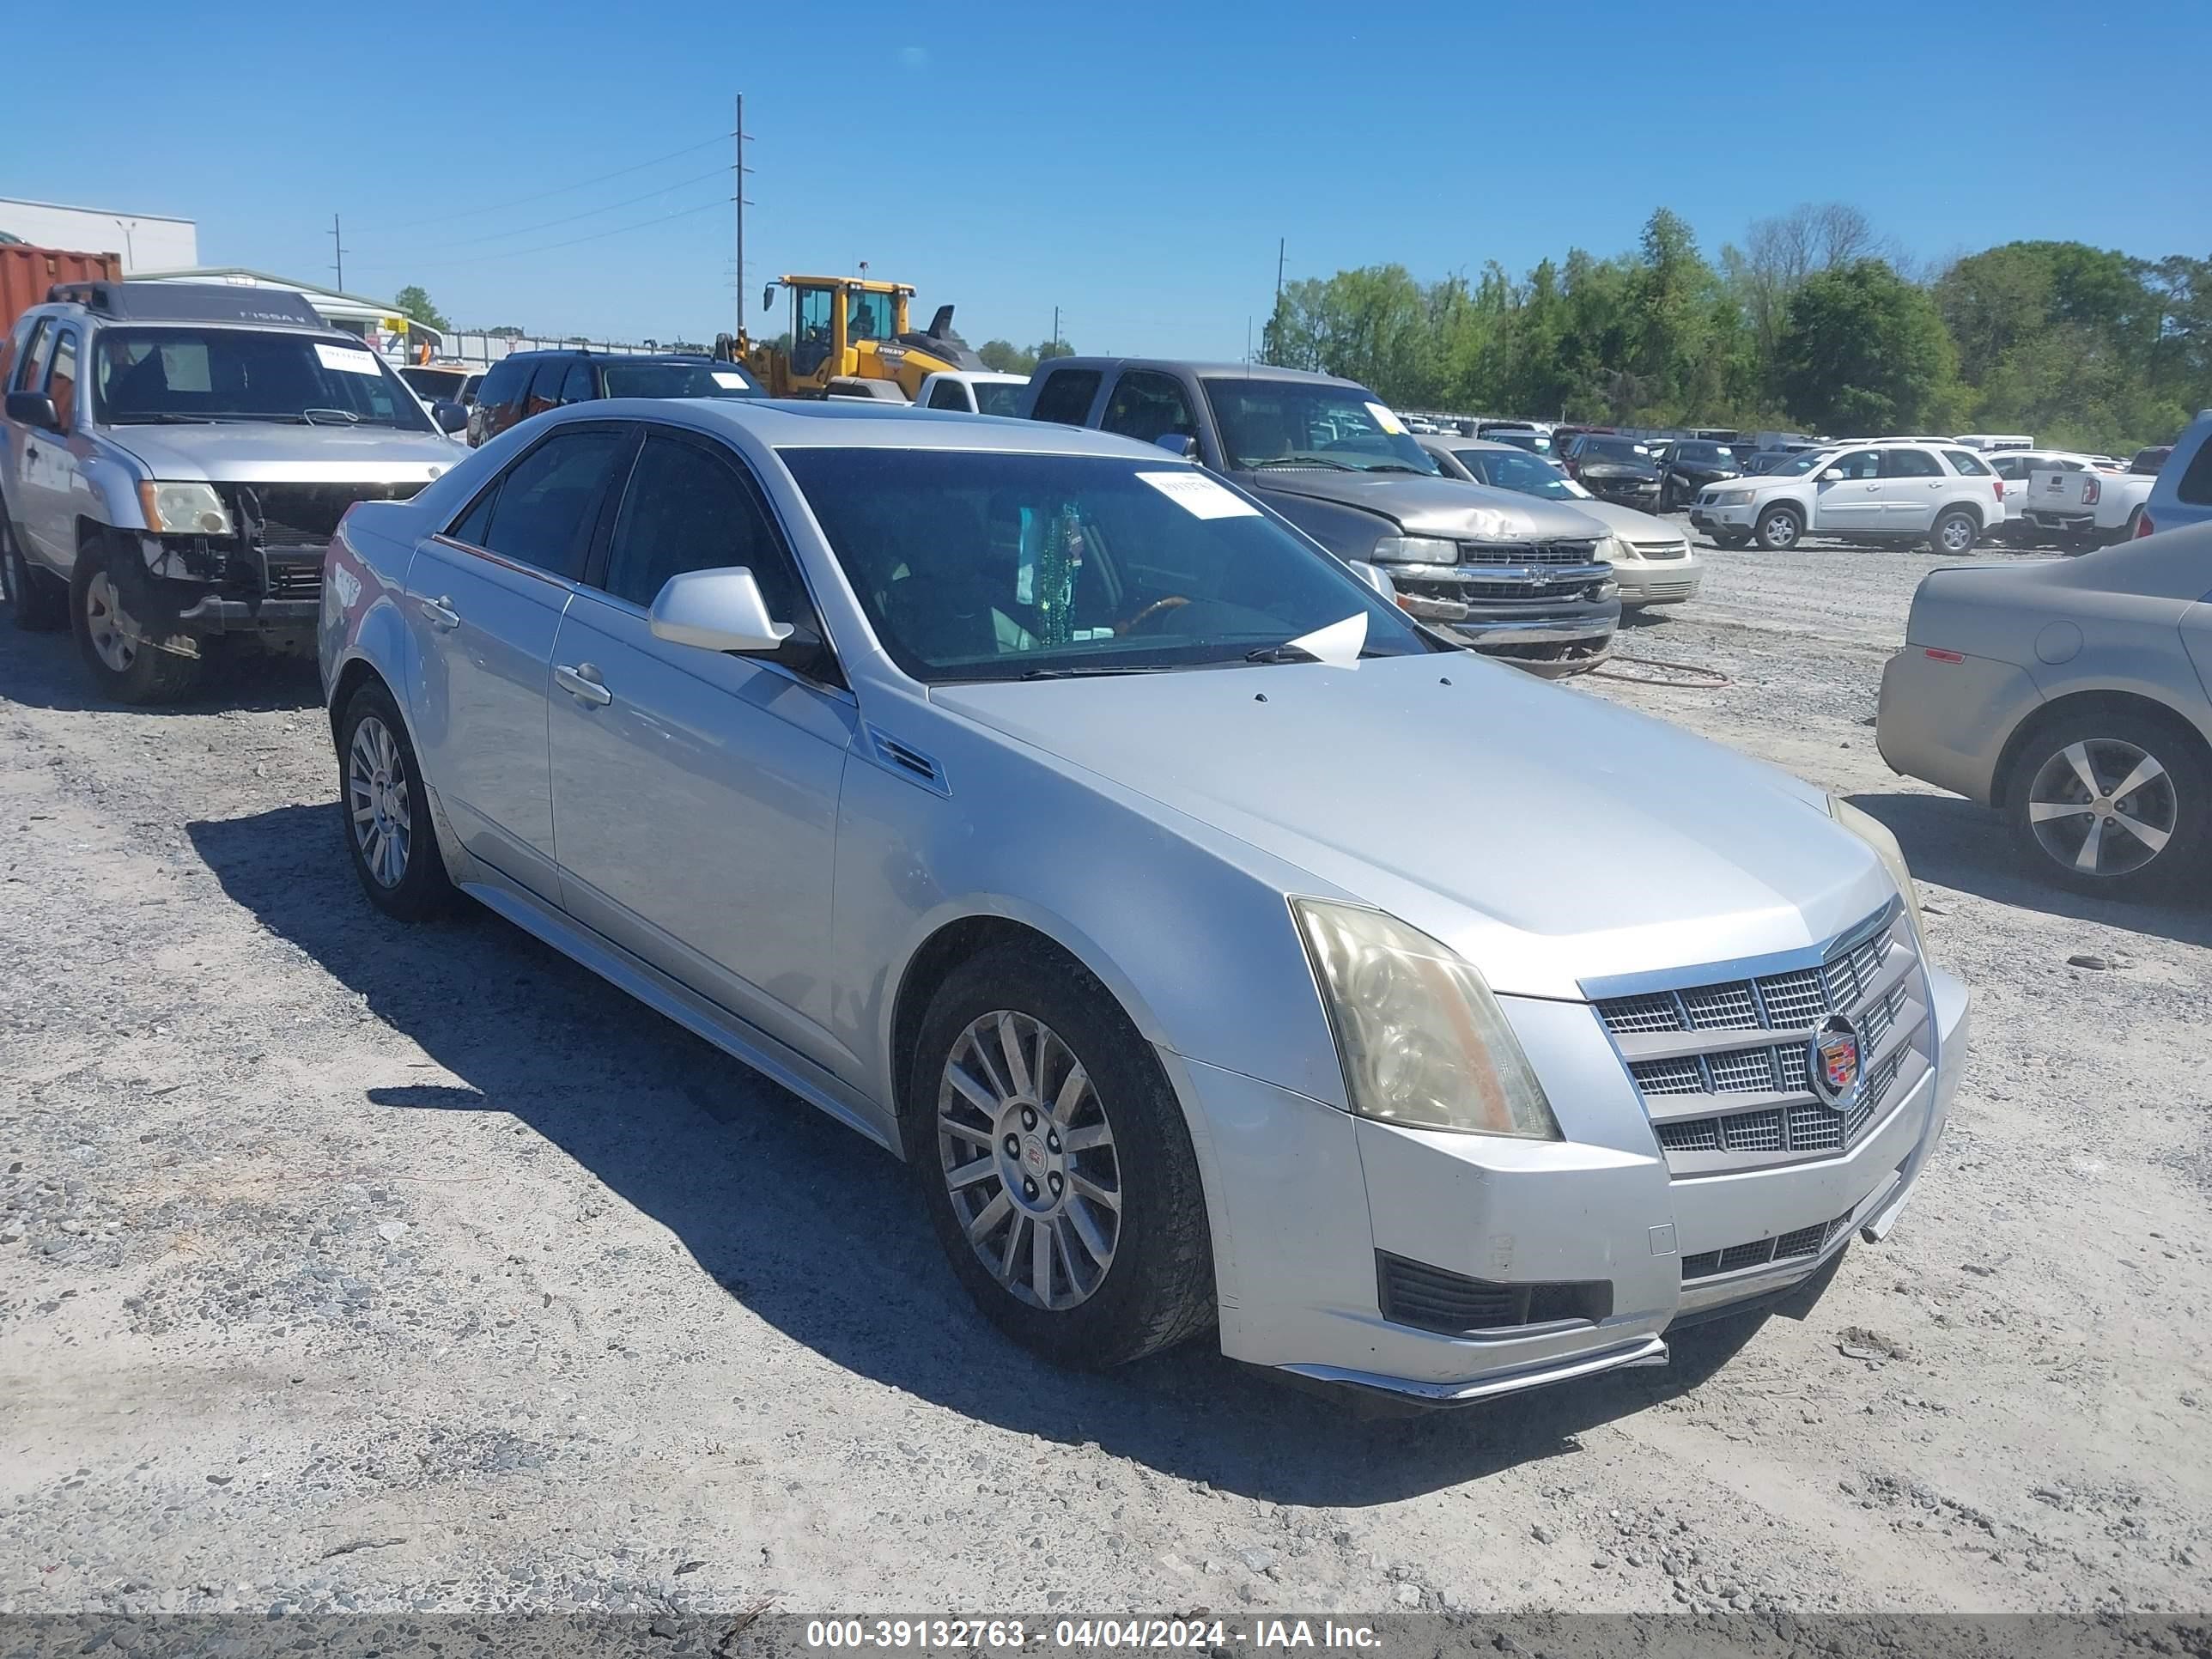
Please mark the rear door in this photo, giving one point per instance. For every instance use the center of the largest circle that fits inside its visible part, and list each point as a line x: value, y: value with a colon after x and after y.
x: 1913, y: 486
x: 1849, y: 503
x: 484, y: 601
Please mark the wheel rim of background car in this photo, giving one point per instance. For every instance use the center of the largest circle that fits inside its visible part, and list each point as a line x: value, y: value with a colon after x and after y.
x: 1029, y: 1159
x: 1780, y: 530
x: 2102, y: 806
x: 114, y: 636
x: 377, y: 797
x: 1957, y: 534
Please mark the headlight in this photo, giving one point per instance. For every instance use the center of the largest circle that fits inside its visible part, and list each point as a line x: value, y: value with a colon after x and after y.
x: 1423, y: 1041
x: 184, y: 509
x: 1613, y: 551
x: 1416, y: 549
x: 1876, y: 834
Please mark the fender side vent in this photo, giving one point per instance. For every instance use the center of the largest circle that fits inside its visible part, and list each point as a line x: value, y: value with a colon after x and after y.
x: 909, y: 762
x: 1434, y: 1299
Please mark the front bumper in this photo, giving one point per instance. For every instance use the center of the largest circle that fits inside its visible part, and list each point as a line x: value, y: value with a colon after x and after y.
x: 1306, y: 1200
x: 214, y: 614
x: 1722, y: 515
x: 1660, y: 581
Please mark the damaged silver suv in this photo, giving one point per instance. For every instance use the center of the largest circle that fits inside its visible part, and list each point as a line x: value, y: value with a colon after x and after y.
x: 173, y: 460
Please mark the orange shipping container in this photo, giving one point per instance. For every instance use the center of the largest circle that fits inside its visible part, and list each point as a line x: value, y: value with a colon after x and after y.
x: 26, y: 274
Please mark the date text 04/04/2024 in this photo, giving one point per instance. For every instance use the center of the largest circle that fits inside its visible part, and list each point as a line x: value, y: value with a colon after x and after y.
x: 1081, y: 1634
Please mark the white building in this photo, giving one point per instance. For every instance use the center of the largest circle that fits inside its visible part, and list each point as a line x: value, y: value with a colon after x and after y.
x: 147, y: 241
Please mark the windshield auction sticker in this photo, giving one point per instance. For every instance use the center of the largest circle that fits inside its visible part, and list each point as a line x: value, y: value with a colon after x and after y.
x: 1199, y: 495
x: 1386, y: 420
x: 346, y: 359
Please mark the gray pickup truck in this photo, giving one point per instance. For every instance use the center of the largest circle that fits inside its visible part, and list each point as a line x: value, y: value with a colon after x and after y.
x: 174, y: 460
x: 1516, y: 577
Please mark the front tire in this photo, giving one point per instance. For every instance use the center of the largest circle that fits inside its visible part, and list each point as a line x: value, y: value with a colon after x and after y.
x: 40, y: 603
x: 1055, y: 1163
x: 387, y: 810
x: 1731, y: 538
x: 1780, y: 529
x: 126, y: 664
x: 2116, y: 804
x: 1955, y: 533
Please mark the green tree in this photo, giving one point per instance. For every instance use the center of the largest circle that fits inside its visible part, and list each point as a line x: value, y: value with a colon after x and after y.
x: 1864, y: 351
x: 1006, y: 357
x: 504, y: 332
x: 1045, y: 349
x: 414, y: 304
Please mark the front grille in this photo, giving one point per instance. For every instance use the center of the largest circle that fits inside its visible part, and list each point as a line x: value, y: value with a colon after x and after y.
x: 1437, y: 1299
x: 1552, y: 593
x: 296, y: 579
x: 1527, y: 552
x: 1665, y: 590
x: 1661, y: 550
x: 1779, y: 1119
x: 304, y: 514
x: 1804, y: 1242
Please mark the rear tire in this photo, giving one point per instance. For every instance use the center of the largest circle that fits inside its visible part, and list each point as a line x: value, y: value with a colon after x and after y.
x: 123, y: 664
x: 1954, y: 533
x: 386, y: 809
x: 1012, y: 1148
x: 40, y: 603
x: 1780, y: 529
x: 2053, y: 810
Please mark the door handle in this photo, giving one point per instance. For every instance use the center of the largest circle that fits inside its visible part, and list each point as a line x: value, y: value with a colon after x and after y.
x: 582, y: 682
x: 440, y: 613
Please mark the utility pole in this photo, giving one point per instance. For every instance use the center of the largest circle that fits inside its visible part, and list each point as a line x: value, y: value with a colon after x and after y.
x: 1274, y: 318
x: 738, y: 170
x: 1056, y: 330
x: 337, y: 248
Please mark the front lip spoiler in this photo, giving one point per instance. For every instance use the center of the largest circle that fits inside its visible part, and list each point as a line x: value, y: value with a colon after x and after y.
x: 1643, y: 1351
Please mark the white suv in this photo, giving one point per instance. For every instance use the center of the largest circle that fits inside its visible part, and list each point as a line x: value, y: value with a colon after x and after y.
x: 1882, y: 490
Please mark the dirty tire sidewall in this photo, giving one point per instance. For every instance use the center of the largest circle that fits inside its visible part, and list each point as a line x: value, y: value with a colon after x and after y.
x: 1779, y: 529
x: 424, y: 891
x: 1159, y: 1290
x: 155, y: 676
x: 40, y: 603
x: 2183, y: 859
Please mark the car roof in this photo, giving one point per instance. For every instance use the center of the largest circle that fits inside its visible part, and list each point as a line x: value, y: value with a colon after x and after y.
x: 1452, y: 440
x: 852, y: 423
x: 1204, y: 371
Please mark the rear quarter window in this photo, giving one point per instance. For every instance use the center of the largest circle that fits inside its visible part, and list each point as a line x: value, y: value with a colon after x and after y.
x: 1066, y: 396
x: 1966, y: 461
x: 2196, y: 485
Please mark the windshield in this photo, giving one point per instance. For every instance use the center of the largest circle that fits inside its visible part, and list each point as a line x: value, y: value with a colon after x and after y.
x: 653, y: 379
x: 1524, y: 474
x: 1706, y: 454
x: 1288, y: 423
x: 194, y: 374
x: 1621, y: 450
x: 436, y: 383
x: 998, y: 396
x: 984, y: 566
x: 1535, y: 442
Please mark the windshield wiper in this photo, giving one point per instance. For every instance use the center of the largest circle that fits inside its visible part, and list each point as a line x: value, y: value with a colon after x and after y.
x: 1088, y: 673
x: 1396, y: 466
x: 1286, y: 653
x: 1301, y: 460
x: 161, y: 417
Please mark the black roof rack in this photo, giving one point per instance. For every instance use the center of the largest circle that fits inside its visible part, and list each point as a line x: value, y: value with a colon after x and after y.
x: 189, y: 302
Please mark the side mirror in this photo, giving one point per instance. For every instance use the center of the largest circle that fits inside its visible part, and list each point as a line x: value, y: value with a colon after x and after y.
x: 767, y: 297
x: 1178, y: 443
x: 716, y: 610
x: 34, y: 408
x: 1833, y: 475
x: 450, y: 416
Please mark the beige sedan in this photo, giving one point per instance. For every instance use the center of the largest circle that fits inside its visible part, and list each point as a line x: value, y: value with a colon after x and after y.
x: 1651, y: 559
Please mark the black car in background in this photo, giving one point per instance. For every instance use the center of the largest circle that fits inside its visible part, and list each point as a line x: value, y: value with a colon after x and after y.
x: 1615, y: 469
x: 1688, y: 465
x: 527, y: 383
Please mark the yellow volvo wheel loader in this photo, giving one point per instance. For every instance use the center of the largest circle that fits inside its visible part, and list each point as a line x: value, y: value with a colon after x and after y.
x: 850, y: 337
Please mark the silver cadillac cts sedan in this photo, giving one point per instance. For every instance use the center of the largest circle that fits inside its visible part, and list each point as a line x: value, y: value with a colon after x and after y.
x: 1221, y: 948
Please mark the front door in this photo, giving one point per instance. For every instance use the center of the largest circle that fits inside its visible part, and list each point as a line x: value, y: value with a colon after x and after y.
x: 1913, y: 485
x: 1848, y: 504
x: 484, y: 601
x: 695, y: 793
x: 51, y: 490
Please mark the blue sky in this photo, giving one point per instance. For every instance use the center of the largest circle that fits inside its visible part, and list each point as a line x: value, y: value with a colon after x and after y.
x: 1134, y: 165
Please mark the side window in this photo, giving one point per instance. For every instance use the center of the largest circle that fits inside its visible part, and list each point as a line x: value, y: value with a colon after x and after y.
x: 2196, y: 485
x: 687, y: 509
x: 1148, y: 406
x: 502, y: 383
x: 949, y: 394
x: 33, y: 368
x: 1066, y: 396
x: 576, y: 385
x: 547, y: 502
x: 2011, y: 468
x: 61, y: 379
x: 545, y: 386
x: 1909, y: 464
x: 1860, y: 463
x: 1965, y: 462
x: 469, y: 526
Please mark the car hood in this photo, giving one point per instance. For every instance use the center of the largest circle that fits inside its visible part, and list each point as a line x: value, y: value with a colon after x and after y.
x: 1432, y: 507
x: 1621, y: 470
x: 1630, y: 524
x: 268, y: 454
x: 1549, y: 837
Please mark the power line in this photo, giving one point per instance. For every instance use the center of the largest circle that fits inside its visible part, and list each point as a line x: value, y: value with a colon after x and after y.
x: 570, y: 219
x: 559, y: 190
x: 600, y: 235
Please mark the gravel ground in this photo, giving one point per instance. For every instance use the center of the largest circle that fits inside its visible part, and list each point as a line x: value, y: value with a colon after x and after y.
x: 346, y: 1264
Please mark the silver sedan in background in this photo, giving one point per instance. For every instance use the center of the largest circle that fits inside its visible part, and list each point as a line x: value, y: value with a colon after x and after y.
x: 1651, y: 559
x: 2071, y: 695
x: 1049, y: 812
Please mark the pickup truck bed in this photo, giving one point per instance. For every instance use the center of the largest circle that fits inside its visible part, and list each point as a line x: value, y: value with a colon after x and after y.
x: 2086, y: 508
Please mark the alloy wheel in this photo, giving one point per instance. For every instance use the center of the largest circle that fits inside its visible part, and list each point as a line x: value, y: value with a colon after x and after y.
x: 115, y: 636
x: 1957, y: 534
x: 380, y: 801
x: 1027, y: 1155
x: 2102, y: 806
